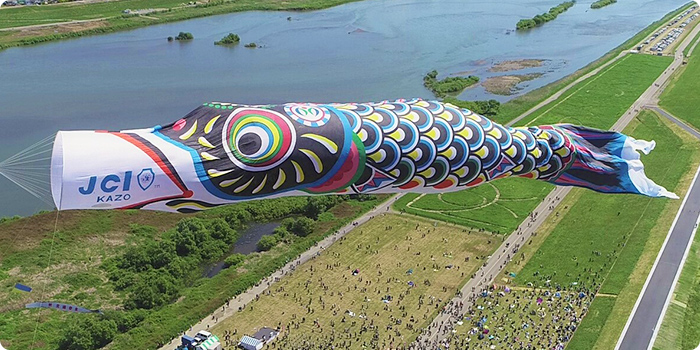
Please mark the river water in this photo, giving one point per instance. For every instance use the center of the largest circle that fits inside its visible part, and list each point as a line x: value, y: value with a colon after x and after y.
x: 247, y: 243
x: 364, y: 51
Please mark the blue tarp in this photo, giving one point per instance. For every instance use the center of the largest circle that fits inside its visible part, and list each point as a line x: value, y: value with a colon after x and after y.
x: 23, y: 288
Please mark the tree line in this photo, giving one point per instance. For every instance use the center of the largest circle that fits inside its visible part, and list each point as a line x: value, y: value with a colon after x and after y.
x: 545, y: 17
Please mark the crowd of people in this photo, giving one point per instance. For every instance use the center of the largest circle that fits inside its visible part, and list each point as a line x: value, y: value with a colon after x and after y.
x: 528, y: 318
x: 375, y: 303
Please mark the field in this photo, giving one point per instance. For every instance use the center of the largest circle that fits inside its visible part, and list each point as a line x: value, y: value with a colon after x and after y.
x: 314, y: 303
x: 598, y: 101
x: 498, y: 207
x: 610, y: 241
x: 70, y: 269
x: 33, y: 15
x: 681, y: 96
x: 541, y: 318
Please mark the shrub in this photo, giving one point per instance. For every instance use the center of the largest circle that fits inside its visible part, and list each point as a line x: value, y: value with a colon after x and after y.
x: 449, y: 85
x: 184, y: 36
x: 251, y: 45
x: 301, y: 227
x: 234, y: 260
x: 230, y: 39
x: 267, y: 242
x: 88, y: 333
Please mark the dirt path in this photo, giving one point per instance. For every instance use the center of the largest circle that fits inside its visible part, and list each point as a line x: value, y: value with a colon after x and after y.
x: 36, y: 26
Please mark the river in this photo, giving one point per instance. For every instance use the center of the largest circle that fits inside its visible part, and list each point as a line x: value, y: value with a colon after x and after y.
x: 362, y: 51
x: 247, y: 243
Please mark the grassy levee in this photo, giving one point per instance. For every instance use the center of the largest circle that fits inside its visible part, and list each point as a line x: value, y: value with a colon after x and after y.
x: 312, y: 303
x: 611, y: 240
x: 680, y: 329
x: 687, y: 49
x: 681, y: 96
x: 35, y: 15
x: 75, y: 273
x: 593, y: 101
x: 521, y: 104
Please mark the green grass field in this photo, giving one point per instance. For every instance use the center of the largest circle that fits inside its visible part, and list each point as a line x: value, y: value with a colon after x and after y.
x: 498, y: 207
x: 32, y: 15
x: 600, y: 100
x: 681, y: 96
x: 384, y: 250
x: 83, y: 240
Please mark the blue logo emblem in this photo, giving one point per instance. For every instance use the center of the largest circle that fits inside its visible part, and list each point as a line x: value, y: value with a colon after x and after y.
x: 145, y: 178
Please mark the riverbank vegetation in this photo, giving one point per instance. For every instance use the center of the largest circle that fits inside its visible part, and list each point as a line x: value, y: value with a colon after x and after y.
x: 602, y: 3
x: 146, y: 270
x: 545, y: 17
x: 488, y: 108
x: 449, y: 85
x: 230, y: 39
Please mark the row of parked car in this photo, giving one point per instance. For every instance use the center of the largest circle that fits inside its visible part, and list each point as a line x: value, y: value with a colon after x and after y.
x: 672, y: 35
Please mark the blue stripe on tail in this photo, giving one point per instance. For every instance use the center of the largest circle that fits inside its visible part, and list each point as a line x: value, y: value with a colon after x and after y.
x: 607, y: 161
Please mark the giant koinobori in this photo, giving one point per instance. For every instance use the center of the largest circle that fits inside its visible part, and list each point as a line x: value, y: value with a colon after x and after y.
x: 222, y: 153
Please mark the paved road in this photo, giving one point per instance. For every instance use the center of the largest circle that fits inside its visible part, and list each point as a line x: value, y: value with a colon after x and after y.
x: 642, y: 326
x: 675, y: 120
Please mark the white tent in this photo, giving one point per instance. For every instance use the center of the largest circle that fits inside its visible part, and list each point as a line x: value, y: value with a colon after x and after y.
x: 250, y: 343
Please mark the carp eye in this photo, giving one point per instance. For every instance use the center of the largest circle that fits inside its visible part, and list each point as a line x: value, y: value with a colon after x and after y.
x: 258, y: 140
x: 249, y: 144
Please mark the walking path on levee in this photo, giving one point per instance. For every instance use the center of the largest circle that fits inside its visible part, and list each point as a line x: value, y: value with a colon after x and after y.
x: 484, y: 277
